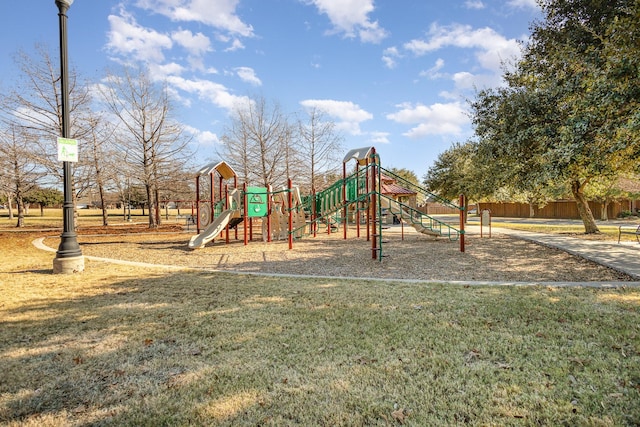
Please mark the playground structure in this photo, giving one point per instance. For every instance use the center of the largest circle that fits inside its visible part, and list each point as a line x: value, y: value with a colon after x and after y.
x: 355, y: 201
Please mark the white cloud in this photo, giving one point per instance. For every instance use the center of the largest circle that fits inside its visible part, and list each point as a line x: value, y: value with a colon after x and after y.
x: 434, y: 72
x: 465, y: 80
x: 379, y: 137
x: 474, y: 4
x: 248, y: 75
x: 220, y: 14
x: 523, y: 4
x: 210, y: 91
x: 348, y: 114
x: 129, y: 39
x: 371, y: 32
x: 207, y: 138
x: 202, y: 137
x: 352, y: 18
x: 493, y: 52
x: 161, y: 71
x: 492, y: 48
x: 236, y: 44
x: 389, y: 56
x: 195, y: 44
x: 436, y: 119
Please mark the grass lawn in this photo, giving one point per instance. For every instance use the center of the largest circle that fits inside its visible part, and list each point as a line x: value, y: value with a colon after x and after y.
x: 608, y: 232
x: 52, y: 218
x: 122, y: 346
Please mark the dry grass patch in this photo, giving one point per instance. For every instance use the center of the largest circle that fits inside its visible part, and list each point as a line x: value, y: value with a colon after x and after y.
x: 118, y: 346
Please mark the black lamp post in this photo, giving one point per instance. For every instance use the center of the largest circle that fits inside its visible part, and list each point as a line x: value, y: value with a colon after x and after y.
x: 69, y: 257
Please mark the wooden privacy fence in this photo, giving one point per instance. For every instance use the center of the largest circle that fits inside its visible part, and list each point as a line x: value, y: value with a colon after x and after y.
x: 431, y: 208
x: 562, y: 209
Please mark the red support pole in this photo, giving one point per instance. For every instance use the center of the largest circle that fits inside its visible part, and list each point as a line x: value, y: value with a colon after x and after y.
x: 235, y: 186
x: 357, y: 213
x: 226, y: 204
x: 290, y: 200
x: 344, y: 199
x: 197, y: 205
x: 269, y: 211
x: 374, y: 232
x: 212, y: 196
x: 219, y: 188
x: 314, y: 213
x: 368, y: 190
x: 245, y: 213
x: 462, y: 211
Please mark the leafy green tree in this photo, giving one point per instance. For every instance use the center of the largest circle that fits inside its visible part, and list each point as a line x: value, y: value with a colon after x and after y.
x: 564, y: 117
x: 453, y: 173
x: 44, y: 197
x: 407, y: 174
x: 621, y: 48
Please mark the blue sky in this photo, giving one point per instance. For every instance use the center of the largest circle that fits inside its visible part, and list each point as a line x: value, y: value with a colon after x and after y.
x: 394, y: 74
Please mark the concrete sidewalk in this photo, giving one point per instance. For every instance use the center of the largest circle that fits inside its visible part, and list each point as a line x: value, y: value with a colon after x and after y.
x: 623, y: 257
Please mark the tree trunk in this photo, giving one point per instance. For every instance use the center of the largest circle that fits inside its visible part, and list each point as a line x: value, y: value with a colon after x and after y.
x: 103, y: 205
x: 590, y: 227
x: 604, y: 210
x: 156, y: 198
x: 151, y: 204
x: 10, y: 205
x: 20, y: 205
x: 105, y: 213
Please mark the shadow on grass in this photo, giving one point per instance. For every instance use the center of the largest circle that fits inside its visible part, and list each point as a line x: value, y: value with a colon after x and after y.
x: 42, y: 271
x: 216, y: 349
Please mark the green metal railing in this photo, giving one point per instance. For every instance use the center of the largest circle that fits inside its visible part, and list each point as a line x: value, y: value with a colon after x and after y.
x: 419, y: 189
x: 330, y: 204
x: 415, y: 217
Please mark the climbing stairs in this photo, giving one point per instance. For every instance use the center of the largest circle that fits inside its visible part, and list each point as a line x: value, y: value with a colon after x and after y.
x: 423, y: 223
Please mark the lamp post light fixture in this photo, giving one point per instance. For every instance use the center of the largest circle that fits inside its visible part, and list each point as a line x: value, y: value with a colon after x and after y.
x: 69, y: 257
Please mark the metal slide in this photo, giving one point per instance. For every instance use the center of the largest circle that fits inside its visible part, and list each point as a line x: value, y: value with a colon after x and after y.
x: 212, y: 230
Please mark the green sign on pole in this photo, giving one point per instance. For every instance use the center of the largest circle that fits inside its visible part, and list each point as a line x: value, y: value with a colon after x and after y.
x: 257, y: 199
x: 67, y: 150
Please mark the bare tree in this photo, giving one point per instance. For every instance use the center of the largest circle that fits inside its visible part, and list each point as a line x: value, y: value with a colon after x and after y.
x: 319, y: 146
x: 102, y: 159
x: 236, y: 149
x: 36, y: 104
x: 256, y: 142
x: 20, y: 172
x: 148, y: 133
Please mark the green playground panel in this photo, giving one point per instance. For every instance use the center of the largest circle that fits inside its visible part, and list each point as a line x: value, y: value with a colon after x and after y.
x: 352, y: 189
x: 257, y: 198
